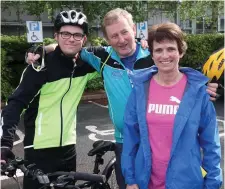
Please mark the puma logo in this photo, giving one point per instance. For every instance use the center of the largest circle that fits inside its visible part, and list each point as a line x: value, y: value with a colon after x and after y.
x: 174, y: 99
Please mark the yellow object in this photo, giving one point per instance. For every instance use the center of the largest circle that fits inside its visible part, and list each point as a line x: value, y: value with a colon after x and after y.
x: 204, y: 173
x: 214, y: 66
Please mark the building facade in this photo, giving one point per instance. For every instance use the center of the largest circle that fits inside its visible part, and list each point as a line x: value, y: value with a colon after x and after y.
x: 13, y: 22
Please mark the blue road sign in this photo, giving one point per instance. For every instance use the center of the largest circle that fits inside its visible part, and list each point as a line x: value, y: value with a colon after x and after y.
x: 34, y: 31
x: 142, y: 26
x: 34, y: 26
x: 142, y: 30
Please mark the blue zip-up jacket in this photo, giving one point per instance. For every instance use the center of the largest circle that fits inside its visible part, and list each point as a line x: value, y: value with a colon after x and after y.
x: 117, y: 80
x: 195, y: 127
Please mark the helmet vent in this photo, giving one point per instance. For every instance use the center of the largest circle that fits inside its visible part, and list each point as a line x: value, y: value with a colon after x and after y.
x: 65, y: 14
x: 210, y: 67
x: 73, y: 15
x: 221, y: 64
x: 73, y: 18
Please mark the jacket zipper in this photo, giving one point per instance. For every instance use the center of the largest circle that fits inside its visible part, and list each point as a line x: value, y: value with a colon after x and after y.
x: 39, y: 123
x: 61, y: 113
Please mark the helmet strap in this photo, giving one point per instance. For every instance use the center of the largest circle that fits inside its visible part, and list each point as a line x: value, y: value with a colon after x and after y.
x: 76, y: 57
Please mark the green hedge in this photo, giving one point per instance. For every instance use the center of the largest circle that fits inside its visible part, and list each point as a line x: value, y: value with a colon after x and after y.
x: 13, y: 49
x: 98, y: 41
x: 6, y: 76
x: 200, y: 47
x: 96, y: 84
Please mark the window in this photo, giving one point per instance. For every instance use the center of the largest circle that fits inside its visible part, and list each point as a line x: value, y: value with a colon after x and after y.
x: 221, y: 25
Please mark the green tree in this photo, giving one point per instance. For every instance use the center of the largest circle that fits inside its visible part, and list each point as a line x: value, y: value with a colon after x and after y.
x: 95, y: 10
x: 209, y: 10
x: 188, y: 10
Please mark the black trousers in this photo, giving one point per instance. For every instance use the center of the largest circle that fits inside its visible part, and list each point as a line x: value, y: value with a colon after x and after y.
x: 49, y: 160
x: 119, y: 176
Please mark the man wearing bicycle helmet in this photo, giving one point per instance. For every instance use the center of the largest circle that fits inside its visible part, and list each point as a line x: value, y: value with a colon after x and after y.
x: 117, y: 63
x: 50, y: 97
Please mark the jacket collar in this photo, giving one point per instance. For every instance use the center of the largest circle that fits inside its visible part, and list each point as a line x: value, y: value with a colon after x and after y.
x: 66, y: 60
x: 141, y: 53
x: 194, y: 77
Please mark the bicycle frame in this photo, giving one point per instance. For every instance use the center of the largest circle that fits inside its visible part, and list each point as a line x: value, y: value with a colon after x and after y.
x: 109, y: 168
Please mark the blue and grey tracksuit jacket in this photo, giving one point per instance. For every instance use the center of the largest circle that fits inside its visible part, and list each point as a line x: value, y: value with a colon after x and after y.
x: 117, y: 80
x: 195, y: 128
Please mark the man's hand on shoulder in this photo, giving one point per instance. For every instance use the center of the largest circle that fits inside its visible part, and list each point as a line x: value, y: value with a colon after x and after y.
x: 34, y: 55
x: 32, y: 58
x: 144, y: 44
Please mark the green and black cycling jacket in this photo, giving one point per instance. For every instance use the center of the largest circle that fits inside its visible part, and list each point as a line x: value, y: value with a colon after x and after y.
x: 50, y: 98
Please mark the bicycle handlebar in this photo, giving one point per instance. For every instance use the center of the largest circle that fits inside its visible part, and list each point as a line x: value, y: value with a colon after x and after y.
x: 64, y: 179
x: 9, y: 169
x: 81, y: 176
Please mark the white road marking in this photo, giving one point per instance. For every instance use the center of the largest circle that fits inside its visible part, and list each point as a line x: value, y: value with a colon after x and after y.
x: 19, y: 173
x: 21, y: 137
x: 222, y: 134
x: 94, y: 131
x: 93, y: 137
x: 98, y: 104
x: 220, y: 121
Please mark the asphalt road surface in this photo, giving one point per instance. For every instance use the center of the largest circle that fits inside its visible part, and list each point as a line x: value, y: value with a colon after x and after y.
x: 93, y: 124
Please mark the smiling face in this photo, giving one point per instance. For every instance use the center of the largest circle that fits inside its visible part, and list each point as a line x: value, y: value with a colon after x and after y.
x: 166, y: 55
x: 121, y: 36
x: 70, y: 46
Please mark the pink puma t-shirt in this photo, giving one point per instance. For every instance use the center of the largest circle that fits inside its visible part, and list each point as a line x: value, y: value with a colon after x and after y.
x: 163, y: 103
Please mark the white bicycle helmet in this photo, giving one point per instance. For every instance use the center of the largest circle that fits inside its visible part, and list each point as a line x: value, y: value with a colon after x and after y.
x: 72, y: 17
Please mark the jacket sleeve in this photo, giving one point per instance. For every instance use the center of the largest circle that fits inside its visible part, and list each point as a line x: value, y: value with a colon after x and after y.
x: 131, y: 140
x: 93, y: 75
x: 210, y: 143
x: 95, y: 56
x: 30, y: 84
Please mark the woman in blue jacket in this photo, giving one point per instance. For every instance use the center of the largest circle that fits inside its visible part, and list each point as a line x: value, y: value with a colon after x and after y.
x: 170, y: 122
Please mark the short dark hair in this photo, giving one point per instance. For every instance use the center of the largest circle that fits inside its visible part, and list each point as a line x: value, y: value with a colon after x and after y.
x: 170, y: 31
